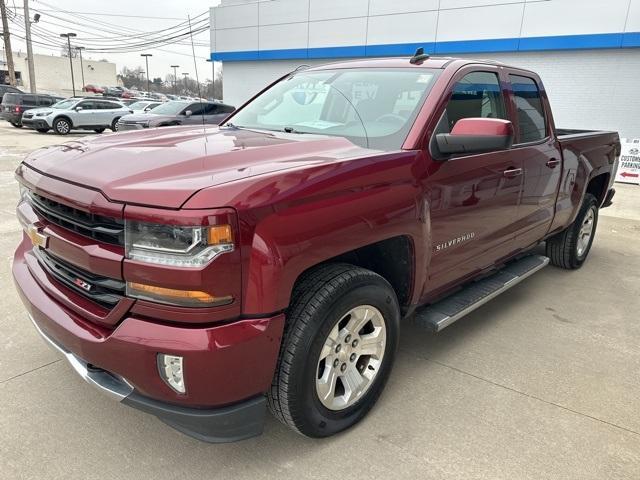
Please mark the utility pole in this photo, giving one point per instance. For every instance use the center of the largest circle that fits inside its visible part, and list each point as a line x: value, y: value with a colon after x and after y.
x: 69, y: 36
x: 79, y: 49
x: 27, y: 31
x: 186, y: 74
x: 146, y: 59
x: 7, y: 43
x: 175, y: 78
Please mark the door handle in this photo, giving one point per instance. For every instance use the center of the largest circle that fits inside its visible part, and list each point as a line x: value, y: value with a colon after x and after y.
x: 553, y: 163
x: 512, y: 172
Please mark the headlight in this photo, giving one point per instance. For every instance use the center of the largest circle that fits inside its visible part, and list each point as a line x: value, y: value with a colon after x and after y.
x: 43, y: 114
x: 174, y: 245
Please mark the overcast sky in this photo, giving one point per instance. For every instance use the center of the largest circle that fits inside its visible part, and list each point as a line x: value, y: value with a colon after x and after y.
x: 159, y: 14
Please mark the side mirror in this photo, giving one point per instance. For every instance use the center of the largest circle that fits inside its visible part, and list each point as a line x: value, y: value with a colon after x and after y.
x: 188, y: 113
x: 77, y: 109
x: 147, y: 109
x: 476, y: 135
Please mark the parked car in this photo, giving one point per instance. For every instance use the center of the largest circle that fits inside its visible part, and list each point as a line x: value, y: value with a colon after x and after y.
x: 8, y: 89
x: 272, y: 265
x: 93, y: 89
x: 143, y: 106
x: 15, y: 104
x: 114, y: 91
x: 76, y: 114
x: 177, y: 113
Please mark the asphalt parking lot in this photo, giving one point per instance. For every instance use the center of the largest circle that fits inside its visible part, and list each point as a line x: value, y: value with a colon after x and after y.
x: 541, y: 383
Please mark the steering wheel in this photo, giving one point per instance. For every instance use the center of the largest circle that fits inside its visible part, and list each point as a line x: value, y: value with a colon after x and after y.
x: 391, y: 116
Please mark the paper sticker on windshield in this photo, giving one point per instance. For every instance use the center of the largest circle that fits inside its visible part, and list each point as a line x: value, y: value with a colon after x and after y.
x: 318, y: 124
x: 424, y: 78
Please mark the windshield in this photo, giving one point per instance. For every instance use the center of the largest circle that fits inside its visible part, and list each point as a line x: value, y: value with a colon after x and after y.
x: 64, y: 104
x: 170, y: 108
x: 374, y: 108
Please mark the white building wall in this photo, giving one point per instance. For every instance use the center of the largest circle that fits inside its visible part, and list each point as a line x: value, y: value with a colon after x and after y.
x: 586, y: 51
x: 53, y: 74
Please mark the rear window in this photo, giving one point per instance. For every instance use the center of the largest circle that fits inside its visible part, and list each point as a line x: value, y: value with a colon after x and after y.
x: 531, y: 119
x: 11, y: 98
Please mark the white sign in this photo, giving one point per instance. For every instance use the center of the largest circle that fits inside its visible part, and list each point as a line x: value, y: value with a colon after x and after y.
x: 629, y: 166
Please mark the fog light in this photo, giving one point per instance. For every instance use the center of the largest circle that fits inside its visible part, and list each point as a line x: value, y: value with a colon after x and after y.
x: 171, y: 371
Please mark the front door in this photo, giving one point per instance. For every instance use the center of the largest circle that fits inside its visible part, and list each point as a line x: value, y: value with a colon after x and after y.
x: 473, y: 198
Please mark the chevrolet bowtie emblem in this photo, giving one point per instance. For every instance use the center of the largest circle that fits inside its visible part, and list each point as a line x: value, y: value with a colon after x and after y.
x: 38, y: 238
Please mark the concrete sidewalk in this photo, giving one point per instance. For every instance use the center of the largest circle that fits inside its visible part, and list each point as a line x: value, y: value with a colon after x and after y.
x: 540, y: 383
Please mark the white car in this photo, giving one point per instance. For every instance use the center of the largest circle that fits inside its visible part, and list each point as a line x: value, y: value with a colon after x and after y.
x: 76, y: 113
x: 143, y: 106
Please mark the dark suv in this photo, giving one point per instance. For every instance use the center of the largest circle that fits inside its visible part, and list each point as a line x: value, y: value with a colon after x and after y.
x: 8, y: 89
x: 15, y: 104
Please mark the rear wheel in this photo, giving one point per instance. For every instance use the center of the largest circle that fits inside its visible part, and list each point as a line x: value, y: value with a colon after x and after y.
x: 17, y: 125
x: 62, y: 126
x: 569, y: 248
x: 338, y: 349
x: 99, y: 130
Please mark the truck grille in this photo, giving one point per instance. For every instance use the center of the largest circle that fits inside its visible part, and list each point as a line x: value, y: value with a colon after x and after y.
x: 104, y: 291
x: 98, y: 227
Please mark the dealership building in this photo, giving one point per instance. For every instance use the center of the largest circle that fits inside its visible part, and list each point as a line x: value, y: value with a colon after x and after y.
x: 586, y: 51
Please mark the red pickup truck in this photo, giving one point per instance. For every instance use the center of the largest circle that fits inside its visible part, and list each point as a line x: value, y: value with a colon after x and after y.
x: 205, y: 274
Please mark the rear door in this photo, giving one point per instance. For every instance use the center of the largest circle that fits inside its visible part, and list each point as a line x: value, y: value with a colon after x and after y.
x: 473, y: 198
x: 541, y: 159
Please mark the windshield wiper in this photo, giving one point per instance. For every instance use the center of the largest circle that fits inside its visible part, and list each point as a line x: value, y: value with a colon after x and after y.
x: 291, y: 130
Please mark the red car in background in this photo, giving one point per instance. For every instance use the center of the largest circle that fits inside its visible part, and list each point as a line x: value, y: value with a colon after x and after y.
x: 93, y: 89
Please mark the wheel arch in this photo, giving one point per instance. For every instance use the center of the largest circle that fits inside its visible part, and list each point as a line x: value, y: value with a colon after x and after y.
x: 64, y: 117
x: 598, y: 187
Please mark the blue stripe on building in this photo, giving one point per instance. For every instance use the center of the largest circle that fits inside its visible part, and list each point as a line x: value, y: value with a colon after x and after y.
x: 524, y: 44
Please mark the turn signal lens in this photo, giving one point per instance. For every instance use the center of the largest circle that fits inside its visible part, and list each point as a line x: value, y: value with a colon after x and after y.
x: 189, y: 298
x: 219, y: 234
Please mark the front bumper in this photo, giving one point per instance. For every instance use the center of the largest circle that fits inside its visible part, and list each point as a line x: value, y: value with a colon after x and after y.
x: 227, y: 368
x: 237, y: 422
x: 123, y: 127
x: 35, y: 123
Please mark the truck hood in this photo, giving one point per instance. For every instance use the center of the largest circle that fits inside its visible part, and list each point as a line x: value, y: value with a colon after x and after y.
x: 164, y: 167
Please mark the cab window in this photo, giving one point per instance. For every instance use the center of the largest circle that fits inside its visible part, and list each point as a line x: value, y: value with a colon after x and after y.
x: 476, y: 95
x: 531, y: 119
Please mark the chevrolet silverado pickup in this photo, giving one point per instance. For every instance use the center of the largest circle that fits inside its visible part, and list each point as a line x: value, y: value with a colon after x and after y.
x: 205, y: 274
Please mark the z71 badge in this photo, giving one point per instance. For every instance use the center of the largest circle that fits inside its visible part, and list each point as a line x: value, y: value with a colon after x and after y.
x: 454, y: 241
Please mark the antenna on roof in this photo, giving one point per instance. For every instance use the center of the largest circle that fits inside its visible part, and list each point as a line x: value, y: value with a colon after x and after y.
x: 419, y: 57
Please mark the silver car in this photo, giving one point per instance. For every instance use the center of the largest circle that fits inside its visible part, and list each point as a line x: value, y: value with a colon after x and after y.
x: 76, y: 113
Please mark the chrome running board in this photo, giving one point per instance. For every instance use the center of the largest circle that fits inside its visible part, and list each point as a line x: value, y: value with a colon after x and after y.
x: 441, y: 314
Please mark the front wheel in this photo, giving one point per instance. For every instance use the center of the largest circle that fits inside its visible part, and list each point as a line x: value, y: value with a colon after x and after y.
x: 62, y: 126
x: 338, y: 349
x: 569, y: 248
x: 114, y: 124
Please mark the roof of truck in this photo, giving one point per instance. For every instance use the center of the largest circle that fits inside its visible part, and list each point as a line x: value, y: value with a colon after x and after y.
x: 402, y: 62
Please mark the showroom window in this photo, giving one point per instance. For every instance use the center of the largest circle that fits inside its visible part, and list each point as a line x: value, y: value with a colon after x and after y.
x: 531, y: 118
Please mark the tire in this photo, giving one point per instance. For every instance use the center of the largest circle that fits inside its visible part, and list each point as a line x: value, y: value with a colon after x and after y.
x: 62, y: 126
x: 42, y: 130
x: 318, y: 312
x: 17, y: 125
x: 569, y: 249
x: 99, y: 130
x: 114, y: 124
